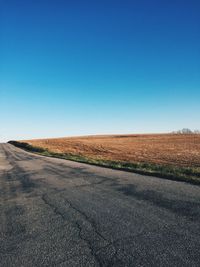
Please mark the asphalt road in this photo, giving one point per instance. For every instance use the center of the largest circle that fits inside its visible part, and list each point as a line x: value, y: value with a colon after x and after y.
x: 55, y: 212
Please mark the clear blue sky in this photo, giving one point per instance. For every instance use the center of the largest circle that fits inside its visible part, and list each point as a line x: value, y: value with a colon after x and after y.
x: 92, y: 67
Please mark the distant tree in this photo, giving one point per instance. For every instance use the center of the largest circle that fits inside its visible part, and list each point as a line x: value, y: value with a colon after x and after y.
x: 186, y: 131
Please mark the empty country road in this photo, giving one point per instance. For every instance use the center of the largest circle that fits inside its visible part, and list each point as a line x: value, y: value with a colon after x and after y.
x: 55, y: 212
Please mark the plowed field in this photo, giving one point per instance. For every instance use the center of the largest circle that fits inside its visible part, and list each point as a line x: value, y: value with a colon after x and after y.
x: 164, y: 149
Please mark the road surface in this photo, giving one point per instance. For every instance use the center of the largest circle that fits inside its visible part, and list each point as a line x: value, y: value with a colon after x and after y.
x: 55, y: 212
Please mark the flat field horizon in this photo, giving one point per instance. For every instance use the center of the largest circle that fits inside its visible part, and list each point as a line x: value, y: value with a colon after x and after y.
x: 181, y: 150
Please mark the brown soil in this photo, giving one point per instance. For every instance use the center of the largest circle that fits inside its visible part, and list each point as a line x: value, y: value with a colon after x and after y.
x: 167, y: 149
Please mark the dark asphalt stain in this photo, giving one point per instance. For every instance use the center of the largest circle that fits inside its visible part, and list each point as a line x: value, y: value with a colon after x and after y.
x: 13, y: 226
x: 180, y: 207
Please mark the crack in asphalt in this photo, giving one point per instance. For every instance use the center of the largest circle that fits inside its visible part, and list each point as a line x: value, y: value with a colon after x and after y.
x: 55, y: 209
x: 94, y: 252
x: 84, y: 175
x: 94, y: 227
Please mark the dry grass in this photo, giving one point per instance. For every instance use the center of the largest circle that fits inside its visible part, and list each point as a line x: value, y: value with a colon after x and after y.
x: 160, y: 149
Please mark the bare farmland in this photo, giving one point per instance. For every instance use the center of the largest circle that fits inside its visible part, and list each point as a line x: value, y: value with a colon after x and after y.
x: 163, y: 149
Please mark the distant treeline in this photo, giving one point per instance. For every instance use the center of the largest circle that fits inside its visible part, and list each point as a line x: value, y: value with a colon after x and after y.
x: 186, y: 131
